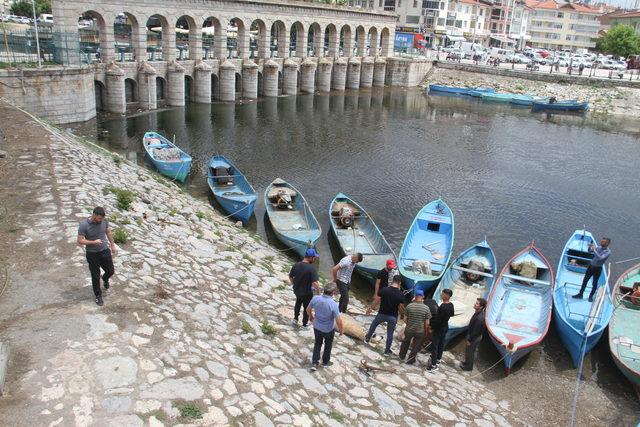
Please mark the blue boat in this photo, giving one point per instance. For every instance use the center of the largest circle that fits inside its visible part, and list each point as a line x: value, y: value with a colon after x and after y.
x: 527, y: 100
x: 519, y: 305
x: 569, y: 105
x: 479, y: 91
x: 355, y: 231
x: 574, y: 317
x: 292, y: 220
x: 497, y: 97
x: 170, y: 160
x: 426, y: 249
x: 470, y: 276
x: 448, y: 89
x: 231, y: 189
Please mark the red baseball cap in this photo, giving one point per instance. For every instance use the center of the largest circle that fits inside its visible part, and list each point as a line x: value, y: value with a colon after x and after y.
x: 391, y: 263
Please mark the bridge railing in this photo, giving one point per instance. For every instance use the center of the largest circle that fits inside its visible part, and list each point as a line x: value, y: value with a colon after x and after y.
x: 19, y: 48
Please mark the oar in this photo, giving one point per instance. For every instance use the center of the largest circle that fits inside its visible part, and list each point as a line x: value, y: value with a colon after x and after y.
x: 627, y: 260
x: 434, y: 254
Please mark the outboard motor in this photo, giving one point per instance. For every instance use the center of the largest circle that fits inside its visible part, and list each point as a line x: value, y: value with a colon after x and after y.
x: 346, y: 217
x: 283, y: 199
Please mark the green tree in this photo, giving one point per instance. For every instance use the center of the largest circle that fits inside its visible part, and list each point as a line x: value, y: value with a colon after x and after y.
x: 23, y: 7
x: 620, y: 40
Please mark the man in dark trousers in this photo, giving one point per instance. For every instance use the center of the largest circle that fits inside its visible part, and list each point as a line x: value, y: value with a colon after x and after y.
x: 417, y: 316
x: 445, y: 311
x: 304, y: 278
x: 383, y: 279
x: 94, y: 233
x: 600, y: 255
x: 323, y: 312
x: 341, y: 274
x: 391, y: 303
x: 474, y: 334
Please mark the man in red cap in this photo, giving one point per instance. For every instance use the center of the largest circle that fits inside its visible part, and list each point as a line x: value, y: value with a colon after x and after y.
x: 384, y: 279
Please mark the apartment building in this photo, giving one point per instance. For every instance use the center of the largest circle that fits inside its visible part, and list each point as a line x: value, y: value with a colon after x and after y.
x: 469, y: 20
x: 509, y: 24
x: 631, y: 18
x: 559, y: 25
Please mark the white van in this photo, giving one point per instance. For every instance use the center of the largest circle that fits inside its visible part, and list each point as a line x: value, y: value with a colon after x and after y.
x: 469, y: 49
x: 501, y: 54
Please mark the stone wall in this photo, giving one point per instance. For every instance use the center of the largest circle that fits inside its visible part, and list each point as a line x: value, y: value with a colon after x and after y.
x: 61, y: 95
x: 406, y: 72
x: 537, y: 76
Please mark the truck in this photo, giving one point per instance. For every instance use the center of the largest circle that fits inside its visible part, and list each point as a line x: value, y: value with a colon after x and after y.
x: 469, y: 49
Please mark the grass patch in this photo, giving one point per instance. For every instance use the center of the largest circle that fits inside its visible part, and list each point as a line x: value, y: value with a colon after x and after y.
x: 173, y: 212
x: 125, y: 221
x: 116, y: 159
x: 190, y: 410
x: 112, y: 218
x: 159, y: 414
x: 267, y: 328
x: 239, y: 351
x: 124, y: 197
x: 249, y: 258
x: 139, y: 221
x: 242, y: 280
x: 200, y: 214
x: 120, y: 236
x: 246, y: 327
x: 281, y: 287
x: 335, y: 415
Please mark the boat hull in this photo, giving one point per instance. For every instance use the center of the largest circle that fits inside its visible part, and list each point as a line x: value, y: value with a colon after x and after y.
x: 176, y: 170
x: 510, y: 357
x: 559, y: 106
x: 237, y: 209
x: 236, y: 196
x: 573, y: 341
x: 448, y: 89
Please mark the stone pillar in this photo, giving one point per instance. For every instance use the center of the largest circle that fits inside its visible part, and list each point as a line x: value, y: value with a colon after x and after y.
x: 175, y: 84
x: 308, y: 77
x: 387, y: 45
x: 202, y: 82
x: 195, y: 43
x: 325, y: 65
x: 366, y: 72
x: 65, y: 30
x: 242, y: 39
x: 361, y: 44
x: 347, y: 45
x: 147, y: 86
x: 379, y: 71
x: 116, y: 98
x: 220, y: 43
x: 301, y: 44
x: 318, y: 43
x: 264, y: 44
x: 290, y: 77
x: 249, y: 80
x: 373, y: 44
x: 339, y: 74
x: 169, y: 43
x: 270, y: 78
x: 139, y: 42
x: 334, y: 44
x: 283, y: 48
x: 353, y: 73
x: 227, y: 81
x: 107, y: 42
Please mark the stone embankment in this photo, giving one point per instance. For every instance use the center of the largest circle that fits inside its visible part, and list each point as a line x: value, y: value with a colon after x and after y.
x: 617, y: 101
x: 196, y: 326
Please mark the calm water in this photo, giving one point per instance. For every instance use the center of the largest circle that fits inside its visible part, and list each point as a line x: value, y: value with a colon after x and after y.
x: 508, y: 174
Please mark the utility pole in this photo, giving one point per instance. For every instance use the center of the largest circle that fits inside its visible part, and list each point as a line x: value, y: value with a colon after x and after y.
x: 35, y: 23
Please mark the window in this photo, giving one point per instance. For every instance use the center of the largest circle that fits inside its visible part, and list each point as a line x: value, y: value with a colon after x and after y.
x: 380, y: 3
x: 481, y: 12
x: 415, y: 4
x: 441, y: 5
x: 399, y: 3
x: 412, y: 19
x: 426, y: 4
x: 568, y: 37
x: 459, y: 8
x: 560, y: 14
x: 441, y: 22
x: 466, y: 9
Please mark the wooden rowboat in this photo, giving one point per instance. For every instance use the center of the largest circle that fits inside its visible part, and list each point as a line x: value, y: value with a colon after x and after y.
x: 231, y: 189
x: 167, y: 157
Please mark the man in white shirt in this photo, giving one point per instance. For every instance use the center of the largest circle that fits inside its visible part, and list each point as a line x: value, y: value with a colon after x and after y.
x: 341, y: 273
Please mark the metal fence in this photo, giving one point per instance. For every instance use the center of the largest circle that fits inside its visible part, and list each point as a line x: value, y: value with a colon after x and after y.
x: 19, y: 48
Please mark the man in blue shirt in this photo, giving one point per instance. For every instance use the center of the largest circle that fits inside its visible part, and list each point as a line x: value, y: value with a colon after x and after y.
x: 600, y: 255
x: 324, y: 313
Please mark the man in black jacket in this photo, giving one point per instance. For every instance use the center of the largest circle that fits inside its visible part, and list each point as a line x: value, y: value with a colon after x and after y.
x: 474, y: 334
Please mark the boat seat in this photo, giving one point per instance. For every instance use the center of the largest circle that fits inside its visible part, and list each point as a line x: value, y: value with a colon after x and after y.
x: 157, y: 145
x: 526, y: 279
x: 222, y: 175
x: 335, y: 211
x: 273, y: 192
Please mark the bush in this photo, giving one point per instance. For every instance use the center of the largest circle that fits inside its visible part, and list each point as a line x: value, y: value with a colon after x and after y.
x: 246, y: 327
x: 190, y: 410
x: 124, y: 197
x: 120, y: 236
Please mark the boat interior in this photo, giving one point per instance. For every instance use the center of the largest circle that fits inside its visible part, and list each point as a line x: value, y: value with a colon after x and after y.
x: 352, y: 228
x: 292, y: 213
x: 470, y: 279
x: 429, y: 244
x: 522, y: 301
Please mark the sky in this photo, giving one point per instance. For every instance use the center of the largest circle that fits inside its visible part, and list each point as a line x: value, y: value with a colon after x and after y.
x: 628, y: 4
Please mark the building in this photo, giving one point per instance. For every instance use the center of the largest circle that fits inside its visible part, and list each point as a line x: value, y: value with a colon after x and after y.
x: 563, y: 26
x: 631, y: 18
x: 509, y: 24
x: 468, y: 20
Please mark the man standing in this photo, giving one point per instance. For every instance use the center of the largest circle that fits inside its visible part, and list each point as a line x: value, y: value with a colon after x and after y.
x: 384, y: 279
x: 417, y: 320
x: 93, y: 233
x: 325, y: 320
x: 341, y: 273
x: 304, y: 278
x: 600, y: 255
x: 474, y: 334
x: 391, y: 302
x: 445, y: 311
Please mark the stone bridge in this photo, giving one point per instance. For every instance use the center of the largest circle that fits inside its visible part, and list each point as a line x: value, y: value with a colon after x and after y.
x: 166, y: 52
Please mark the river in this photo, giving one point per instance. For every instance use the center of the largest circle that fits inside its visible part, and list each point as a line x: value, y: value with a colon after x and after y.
x: 509, y: 175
